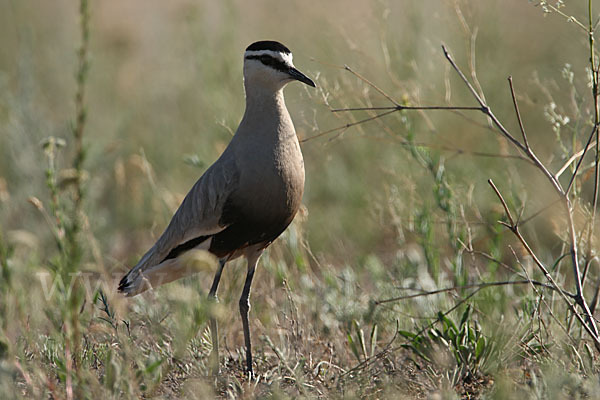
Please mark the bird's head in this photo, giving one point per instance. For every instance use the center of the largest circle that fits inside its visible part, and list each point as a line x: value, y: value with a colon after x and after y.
x: 269, y: 64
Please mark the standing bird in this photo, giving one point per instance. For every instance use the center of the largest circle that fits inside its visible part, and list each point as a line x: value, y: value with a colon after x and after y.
x: 246, y: 199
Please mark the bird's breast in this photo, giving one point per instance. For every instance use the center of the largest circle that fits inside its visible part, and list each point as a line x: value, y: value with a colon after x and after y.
x: 267, y: 199
x: 276, y: 181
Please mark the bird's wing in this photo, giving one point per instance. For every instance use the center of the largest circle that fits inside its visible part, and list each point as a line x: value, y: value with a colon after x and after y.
x: 199, y: 213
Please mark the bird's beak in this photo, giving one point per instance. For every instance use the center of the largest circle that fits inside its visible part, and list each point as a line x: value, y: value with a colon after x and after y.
x: 299, y: 76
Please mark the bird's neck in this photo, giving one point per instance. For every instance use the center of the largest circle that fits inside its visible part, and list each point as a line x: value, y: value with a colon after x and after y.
x: 266, y: 113
x: 263, y: 99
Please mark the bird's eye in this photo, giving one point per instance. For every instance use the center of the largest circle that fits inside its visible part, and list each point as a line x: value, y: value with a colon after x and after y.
x: 267, y: 60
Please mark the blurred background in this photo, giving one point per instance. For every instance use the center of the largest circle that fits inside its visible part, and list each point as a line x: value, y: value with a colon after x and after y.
x: 165, y: 86
x: 388, y: 203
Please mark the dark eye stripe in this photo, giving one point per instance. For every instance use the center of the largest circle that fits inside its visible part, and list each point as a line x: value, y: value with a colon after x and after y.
x: 270, y: 61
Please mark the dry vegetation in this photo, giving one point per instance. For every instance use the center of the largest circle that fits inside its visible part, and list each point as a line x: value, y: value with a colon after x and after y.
x: 406, y: 275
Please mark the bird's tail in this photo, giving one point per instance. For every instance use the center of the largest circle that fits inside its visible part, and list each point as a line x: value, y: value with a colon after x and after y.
x: 139, y: 280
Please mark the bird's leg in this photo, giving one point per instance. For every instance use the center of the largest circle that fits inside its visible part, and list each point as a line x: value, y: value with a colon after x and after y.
x: 212, y: 295
x: 245, y: 308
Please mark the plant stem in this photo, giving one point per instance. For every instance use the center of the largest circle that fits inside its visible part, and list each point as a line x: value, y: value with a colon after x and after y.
x: 594, y: 72
x: 80, y: 115
x: 589, y: 323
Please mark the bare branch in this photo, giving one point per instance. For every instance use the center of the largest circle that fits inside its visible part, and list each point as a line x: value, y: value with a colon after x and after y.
x: 595, y: 91
x: 574, y: 157
x: 347, y: 126
x: 474, y: 285
x: 512, y: 225
x: 514, y: 98
x: 401, y: 108
x: 464, y: 79
x: 588, y: 325
x: 368, y: 82
x: 588, y: 145
x: 540, y: 211
x: 484, y: 107
x: 458, y: 151
x: 569, y: 18
x: 525, y: 148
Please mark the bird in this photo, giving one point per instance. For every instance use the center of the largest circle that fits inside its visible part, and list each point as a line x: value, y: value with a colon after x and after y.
x: 242, y: 202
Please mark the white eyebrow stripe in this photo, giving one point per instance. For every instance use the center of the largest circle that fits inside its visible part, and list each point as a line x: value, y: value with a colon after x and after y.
x: 286, y: 58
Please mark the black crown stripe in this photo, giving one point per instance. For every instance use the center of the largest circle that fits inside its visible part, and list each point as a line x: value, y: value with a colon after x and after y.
x: 268, y: 45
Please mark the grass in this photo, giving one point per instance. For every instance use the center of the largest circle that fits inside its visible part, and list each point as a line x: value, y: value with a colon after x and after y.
x: 404, y: 275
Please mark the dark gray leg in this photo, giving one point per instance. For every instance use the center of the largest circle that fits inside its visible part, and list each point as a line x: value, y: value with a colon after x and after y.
x: 245, y: 308
x: 212, y: 295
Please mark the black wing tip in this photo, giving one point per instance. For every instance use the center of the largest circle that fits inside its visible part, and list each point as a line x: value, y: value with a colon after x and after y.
x: 123, y: 284
x: 268, y: 45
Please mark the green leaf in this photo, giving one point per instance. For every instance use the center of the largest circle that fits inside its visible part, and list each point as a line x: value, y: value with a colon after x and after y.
x: 451, y: 334
x: 444, y: 342
x: 150, y: 368
x: 480, y: 347
x: 61, y: 370
x: 447, y: 322
x: 361, y: 338
x: 465, y: 315
x: 416, y: 351
x: 374, y: 331
x: 353, y: 347
x: 435, y: 333
x: 407, y: 334
x: 472, y: 335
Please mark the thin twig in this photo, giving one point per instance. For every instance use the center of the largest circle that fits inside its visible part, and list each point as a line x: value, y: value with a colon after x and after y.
x: 526, y: 149
x: 583, y: 152
x: 474, y: 285
x: 334, y: 110
x: 472, y: 33
x: 542, y: 299
x: 80, y: 108
x: 586, y: 269
x: 401, y: 108
x: 458, y: 151
x: 595, y: 89
x: 569, y: 18
x: 368, y: 82
x: 588, y: 325
x: 506, y: 210
x: 514, y: 98
x: 594, y: 301
x: 487, y: 110
x: 580, y: 153
x: 347, y: 126
x: 540, y: 211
